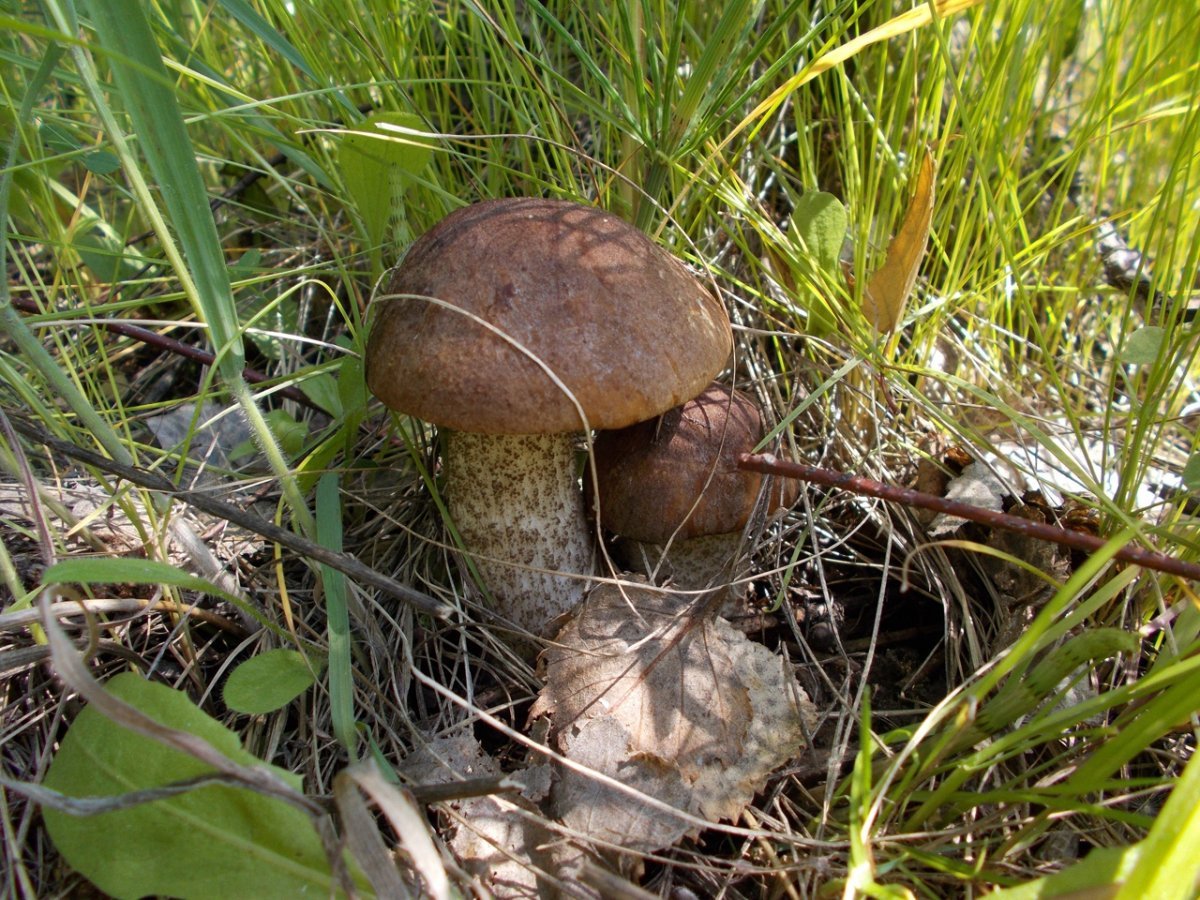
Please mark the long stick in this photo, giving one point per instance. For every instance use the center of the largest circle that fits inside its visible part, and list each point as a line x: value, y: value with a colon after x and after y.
x: 767, y: 464
x: 348, y: 565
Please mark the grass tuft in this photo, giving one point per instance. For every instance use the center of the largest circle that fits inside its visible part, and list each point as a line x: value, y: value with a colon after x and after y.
x: 983, y: 728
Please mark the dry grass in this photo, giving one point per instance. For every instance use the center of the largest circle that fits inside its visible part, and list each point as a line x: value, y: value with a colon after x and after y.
x: 1016, y: 337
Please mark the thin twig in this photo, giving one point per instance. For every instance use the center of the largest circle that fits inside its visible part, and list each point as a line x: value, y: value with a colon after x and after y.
x: 345, y: 564
x: 179, y: 348
x: 767, y: 464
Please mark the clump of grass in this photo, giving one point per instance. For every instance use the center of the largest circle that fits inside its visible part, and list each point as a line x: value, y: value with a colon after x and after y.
x: 972, y: 738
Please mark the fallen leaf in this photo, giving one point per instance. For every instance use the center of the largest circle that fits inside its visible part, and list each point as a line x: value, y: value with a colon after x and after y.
x: 496, y: 838
x: 890, y: 286
x: 978, y: 485
x: 691, y: 713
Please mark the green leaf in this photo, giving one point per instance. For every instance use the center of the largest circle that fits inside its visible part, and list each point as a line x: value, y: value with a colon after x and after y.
x: 820, y: 220
x: 1095, y: 876
x: 126, y: 570
x: 352, y: 388
x: 268, y: 681
x: 105, y: 257
x: 268, y: 314
x: 57, y: 139
x: 1167, y: 866
x: 378, y: 171
x: 215, y: 841
x: 1191, y: 472
x: 247, y: 264
x: 288, y: 431
x: 101, y: 162
x: 1144, y: 345
x: 322, y: 389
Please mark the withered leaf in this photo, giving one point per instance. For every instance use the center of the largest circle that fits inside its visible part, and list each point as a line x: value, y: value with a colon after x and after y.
x: 978, y: 485
x: 489, y: 835
x: 691, y: 713
x: 889, y: 288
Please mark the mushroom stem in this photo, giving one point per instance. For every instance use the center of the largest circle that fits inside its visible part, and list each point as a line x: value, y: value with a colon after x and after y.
x: 516, y: 502
x: 707, y: 562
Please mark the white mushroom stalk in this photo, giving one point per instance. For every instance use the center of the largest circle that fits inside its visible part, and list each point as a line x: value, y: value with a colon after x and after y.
x: 517, y: 505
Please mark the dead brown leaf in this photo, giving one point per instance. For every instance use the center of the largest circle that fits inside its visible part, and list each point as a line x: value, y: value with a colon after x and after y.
x: 489, y: 835
x: 691, y: 713
x: 890, y: 286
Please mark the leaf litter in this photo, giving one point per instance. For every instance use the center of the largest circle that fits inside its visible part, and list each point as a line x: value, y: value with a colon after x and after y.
x: 688, y: 712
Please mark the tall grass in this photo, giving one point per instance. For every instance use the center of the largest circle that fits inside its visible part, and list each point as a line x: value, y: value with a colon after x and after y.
x: 186, y: 176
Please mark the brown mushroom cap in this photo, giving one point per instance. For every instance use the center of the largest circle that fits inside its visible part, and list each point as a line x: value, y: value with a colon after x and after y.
x: 650, y: 474
x: 618, y: 320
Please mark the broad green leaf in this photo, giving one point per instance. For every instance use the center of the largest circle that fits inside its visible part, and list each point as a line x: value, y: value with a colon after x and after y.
x: 1167, y: 867
x: 247, y: 264
x: 268, y: 681
x: 269, y: 318
x: 352, y: 387
x: 105, y: 257
x: 101, y: 162
x: 378, y: 171
x: 1095, y: 877
x: 820, y: 219
x: 322, y: 389
x: 215, y: 841
x: 57, y: 139
x: 288, y: 431
x: 1144, y: 345
x: 1191, y: 472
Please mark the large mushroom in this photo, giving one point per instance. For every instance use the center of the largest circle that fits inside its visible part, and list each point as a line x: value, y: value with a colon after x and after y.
x: 670, y: 488
x: 514, y: 325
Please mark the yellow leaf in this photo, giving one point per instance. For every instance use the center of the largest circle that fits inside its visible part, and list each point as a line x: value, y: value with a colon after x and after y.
x: 888, y: 290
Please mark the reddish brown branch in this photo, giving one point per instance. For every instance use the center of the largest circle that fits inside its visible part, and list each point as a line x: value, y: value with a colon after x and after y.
x: 179, y: 348
x: 767, y: 464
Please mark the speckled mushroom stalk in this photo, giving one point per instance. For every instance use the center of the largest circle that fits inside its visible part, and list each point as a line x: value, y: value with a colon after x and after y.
x: 514, y: 325
x: 516, y: 502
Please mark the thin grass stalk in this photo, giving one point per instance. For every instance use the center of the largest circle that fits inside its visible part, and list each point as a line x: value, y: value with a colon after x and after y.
x: 142, y: 82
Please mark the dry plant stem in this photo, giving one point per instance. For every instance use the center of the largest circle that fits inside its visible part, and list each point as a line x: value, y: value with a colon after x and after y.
x: 518, y: 507
x: 1149, y: 559
x: 347, y: 565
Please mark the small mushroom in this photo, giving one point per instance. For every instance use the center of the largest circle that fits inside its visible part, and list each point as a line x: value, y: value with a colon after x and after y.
x: 514, y: 325
x: 671, y: 489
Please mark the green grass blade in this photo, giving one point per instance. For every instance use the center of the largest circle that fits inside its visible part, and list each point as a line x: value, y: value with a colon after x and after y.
x: 1168, y: 866
x: 145, y: 88
x: 341, y: 678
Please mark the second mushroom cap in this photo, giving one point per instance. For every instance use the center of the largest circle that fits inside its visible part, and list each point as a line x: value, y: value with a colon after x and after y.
x: 676, y: 476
